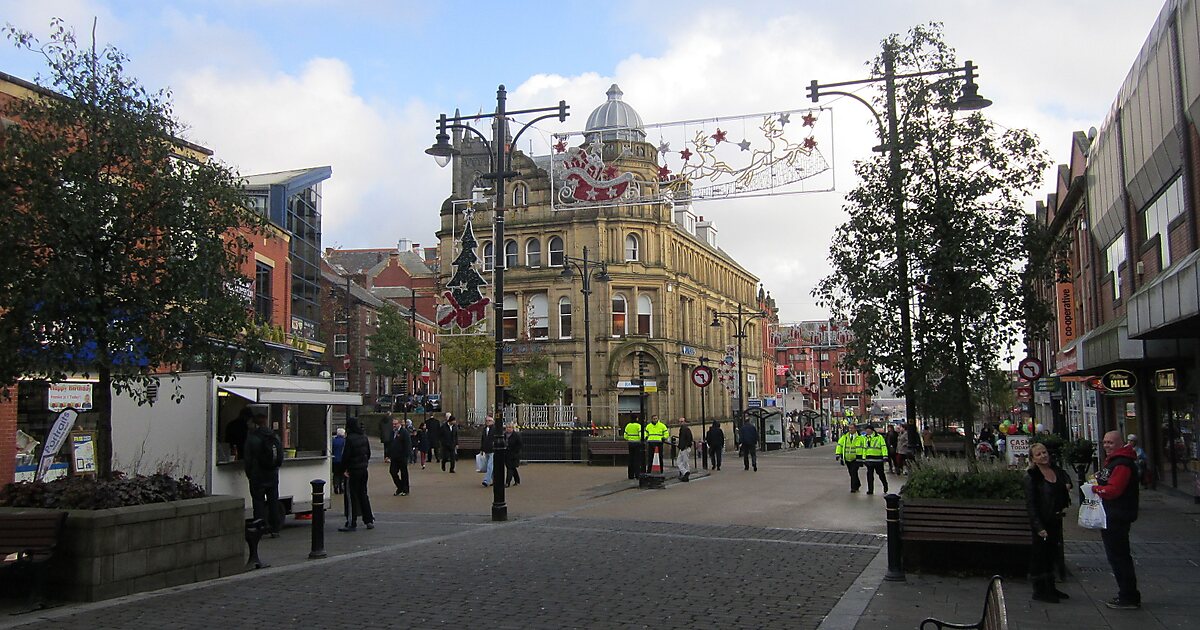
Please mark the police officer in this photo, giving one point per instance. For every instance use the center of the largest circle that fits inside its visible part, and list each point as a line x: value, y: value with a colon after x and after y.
x: 633, y: 437
x: 849, y: 453
x: 657, y: 434
x: 875, y: 452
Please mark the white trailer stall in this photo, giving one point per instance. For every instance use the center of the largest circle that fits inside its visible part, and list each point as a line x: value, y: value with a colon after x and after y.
x: 189, y: 437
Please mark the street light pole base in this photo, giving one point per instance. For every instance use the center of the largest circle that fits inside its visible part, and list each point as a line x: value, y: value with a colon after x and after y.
x: 499, y: 512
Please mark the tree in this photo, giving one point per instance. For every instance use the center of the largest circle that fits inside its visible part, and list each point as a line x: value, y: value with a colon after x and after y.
x: 964, y: 183
x: 394, y: 350
x: 464, y: 354
x: 122, y: 245
x: 534, y: 384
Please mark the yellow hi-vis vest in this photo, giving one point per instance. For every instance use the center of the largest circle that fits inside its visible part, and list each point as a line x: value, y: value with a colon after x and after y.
x: 633, y: 432
x: 876, y: 447
x: 657, y: 432
x: 850, y: 446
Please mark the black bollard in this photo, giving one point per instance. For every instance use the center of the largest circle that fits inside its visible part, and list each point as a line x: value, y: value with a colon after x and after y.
x: 895, y: 570
x: 255, y: 528
x: 318, y: 520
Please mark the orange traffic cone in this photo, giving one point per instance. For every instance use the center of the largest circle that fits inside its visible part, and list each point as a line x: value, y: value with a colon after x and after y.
x: 656, y: 460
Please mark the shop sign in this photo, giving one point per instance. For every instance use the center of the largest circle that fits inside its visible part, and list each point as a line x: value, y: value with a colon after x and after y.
x: 1066, y: 313
x: 1119, y: 381
x: 687, y: 351
x: 1165, y: 381
x: 76, y: 396
x: 1048, y: 384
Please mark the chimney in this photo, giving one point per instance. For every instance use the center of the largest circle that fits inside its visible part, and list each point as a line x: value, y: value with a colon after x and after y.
x: 416, y: 247
x: 404, y: 245
x: 707, y: 232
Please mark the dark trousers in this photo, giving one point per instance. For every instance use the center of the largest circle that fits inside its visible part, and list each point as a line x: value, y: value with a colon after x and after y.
x: 852, y: 467
x: 360, y: 503
x: 875, y: 467
x: 1043, y: 556
x: 652, y: 448
x: 1116, y: 547
x: 635, y: 459
x: 264, y: 496
x: 512, y: 473
x: 750, y: 456
x: 399, y: 472
x: 447, y: 455
x: 714, y: 454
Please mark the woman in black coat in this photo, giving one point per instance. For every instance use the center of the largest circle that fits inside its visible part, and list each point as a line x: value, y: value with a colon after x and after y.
x: 512, y: 457
x: 1047, y: 499
x: 355, y: 457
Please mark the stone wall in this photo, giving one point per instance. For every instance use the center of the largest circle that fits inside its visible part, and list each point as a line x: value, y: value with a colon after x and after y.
x: 115, y: 552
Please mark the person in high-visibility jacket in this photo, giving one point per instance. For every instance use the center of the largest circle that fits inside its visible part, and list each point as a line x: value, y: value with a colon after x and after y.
x: 657, y: 434
x: 875, y: 452
x: 633, y: 435
x: 849, y: 453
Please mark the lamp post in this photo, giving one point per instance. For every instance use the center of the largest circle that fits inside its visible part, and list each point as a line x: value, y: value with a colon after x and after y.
x: 588, y: 270
x: 969, y: 100
x: 740, y: 319
x: 499, y: 158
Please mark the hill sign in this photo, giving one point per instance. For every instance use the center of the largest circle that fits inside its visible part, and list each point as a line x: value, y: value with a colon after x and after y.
x: 1119, y: 381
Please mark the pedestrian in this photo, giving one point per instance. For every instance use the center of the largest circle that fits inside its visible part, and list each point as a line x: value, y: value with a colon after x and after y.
x: 903, y: 450
x: 433, y: 429
x: 1047, y: 499
x: 486, y: 442
x: 1117, y: 486
x: 892, y: 439
x: 633, y: 434
x: 449, y: 442
x: 848, y: 454
x: 512, y: 456
x: 923, y: 443
x: 685, y: 443
x: 386, y: 425
x: 400, y: 447
x: 749, y: 439
x: 412, y: 433
x: 236, y: 432
x: 262, y: 455
x: 808, y: 435
x: 356, y: 457
x: 339, y: 446
x: 715, y: 439
x: 875, y: 451
x: 657, y: 435
x: 1140, y: 457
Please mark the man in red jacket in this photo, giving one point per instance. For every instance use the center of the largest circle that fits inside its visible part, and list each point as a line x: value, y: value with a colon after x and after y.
x: 1117, y: 486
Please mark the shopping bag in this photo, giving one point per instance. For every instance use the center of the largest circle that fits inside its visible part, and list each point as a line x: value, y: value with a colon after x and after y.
x: 480, y: 462
x: 1091, y: 509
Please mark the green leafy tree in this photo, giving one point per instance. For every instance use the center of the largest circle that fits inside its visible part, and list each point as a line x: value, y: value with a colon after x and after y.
x: 394, y: 350
x: 122, y: 249
x: 533, y: 383
x: 965, y: 182
x: 464, y: 354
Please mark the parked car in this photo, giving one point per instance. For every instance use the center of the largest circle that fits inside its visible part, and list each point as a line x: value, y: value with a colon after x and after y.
x: 433, y: 402
x: 384, y: 403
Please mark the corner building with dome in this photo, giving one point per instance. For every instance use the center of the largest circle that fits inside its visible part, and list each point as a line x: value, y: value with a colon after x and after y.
x: 666, y: 274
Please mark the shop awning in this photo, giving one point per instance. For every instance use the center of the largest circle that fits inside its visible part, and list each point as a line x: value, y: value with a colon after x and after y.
x: 1107, y: 345
x: 1158, y: 308
x: 293, y: 396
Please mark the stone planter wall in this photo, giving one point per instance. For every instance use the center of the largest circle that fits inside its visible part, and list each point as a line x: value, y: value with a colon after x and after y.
x: 115, y: 552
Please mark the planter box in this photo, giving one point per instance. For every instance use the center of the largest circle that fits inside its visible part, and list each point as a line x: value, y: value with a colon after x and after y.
x: 110, y: 553
x: 987, y: 537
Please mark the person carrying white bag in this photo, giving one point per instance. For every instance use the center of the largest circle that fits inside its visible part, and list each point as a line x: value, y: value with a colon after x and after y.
x: 1091, y: 509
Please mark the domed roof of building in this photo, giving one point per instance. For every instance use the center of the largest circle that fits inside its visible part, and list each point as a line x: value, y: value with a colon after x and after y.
x: 615, y: 120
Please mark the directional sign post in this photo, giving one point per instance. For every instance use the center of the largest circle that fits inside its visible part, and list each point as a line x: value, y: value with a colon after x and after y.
x: 701, y: 376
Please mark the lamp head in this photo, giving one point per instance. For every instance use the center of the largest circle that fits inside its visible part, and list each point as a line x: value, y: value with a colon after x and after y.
x: 603, y: 275
x: 566, y: 274
x: 442, y: 150
x: 970, y: 99
x: 715, y: 322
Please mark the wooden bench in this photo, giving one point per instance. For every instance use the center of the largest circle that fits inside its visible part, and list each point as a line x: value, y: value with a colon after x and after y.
x: 995, y: 615
x: 612, y: 448
x: 31, y: 539
x: 951, y: 521
x: 949, y: 446
x: 469, y: 443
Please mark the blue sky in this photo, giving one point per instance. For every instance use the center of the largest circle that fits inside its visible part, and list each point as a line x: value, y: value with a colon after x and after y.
x: 356, y: 84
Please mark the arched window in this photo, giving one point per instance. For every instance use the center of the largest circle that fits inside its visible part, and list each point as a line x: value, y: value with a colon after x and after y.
x: 533, y: 253
x: 645, y: 316
x: 520, y: 195
x: 510, y: 254
x: 564, y: 318
x: 539, y: 317
x: 556, y: 251
x: 488, y: 255
x: 509, y: 324
x: 631, y: 247
x: 619, y: 307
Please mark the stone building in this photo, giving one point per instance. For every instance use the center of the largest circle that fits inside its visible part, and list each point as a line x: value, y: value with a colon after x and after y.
x: 667, y: 275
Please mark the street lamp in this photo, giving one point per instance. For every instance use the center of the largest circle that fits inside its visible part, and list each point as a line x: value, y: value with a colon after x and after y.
x: 968, y: 100
x: 588, y: 269
x: 740, y: 318
x: 500, y: 160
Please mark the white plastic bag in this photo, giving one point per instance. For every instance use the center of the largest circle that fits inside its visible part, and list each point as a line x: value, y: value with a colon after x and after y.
x: 1091, y: 509
x: 480, y: 462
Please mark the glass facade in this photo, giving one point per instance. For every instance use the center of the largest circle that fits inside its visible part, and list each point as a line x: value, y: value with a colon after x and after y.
x: 304, y: 224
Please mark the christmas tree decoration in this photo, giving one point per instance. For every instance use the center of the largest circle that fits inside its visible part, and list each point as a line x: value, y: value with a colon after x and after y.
x: 466, y: 305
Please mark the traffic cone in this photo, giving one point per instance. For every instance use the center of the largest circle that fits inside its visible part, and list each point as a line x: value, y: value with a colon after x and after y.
x: 656, y: 461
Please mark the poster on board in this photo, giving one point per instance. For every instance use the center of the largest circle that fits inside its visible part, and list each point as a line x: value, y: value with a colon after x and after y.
x: 83, y: 453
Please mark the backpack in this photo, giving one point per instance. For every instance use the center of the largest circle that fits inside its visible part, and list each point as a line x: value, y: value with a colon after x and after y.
x: 270, y: 455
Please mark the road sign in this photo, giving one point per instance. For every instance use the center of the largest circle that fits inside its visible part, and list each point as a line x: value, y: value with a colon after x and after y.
x: 1030, y: 369
x: 813, y: 389
x: 425, y: 376
x: 701, y: 376
x: 503, y: 379
x: 754, y: 403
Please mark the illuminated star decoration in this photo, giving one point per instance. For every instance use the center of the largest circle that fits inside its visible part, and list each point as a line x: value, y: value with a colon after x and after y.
x: 664, y: 147
x: 744, y: 144
x: 719, y: 137
x: 686, y: 154
x: 560, y: 146
x: 664, y: 173
x: 785, y: 119
x: 810, y: 143
x: 809, y: 120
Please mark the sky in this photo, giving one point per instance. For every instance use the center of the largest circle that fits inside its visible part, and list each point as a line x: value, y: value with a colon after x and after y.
x: 274, y: 85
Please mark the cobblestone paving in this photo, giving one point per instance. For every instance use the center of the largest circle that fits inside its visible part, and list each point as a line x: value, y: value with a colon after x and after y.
x: 555, y: 572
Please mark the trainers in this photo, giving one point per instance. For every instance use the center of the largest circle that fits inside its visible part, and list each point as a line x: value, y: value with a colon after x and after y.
x: 1120, y: 604
x: 371, y: 525
x: 348, y: 529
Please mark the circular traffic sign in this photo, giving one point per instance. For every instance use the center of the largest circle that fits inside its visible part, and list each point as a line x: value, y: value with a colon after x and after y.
x: 1030, y: 368
x: 701, y: 376
x: 813, y: 389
